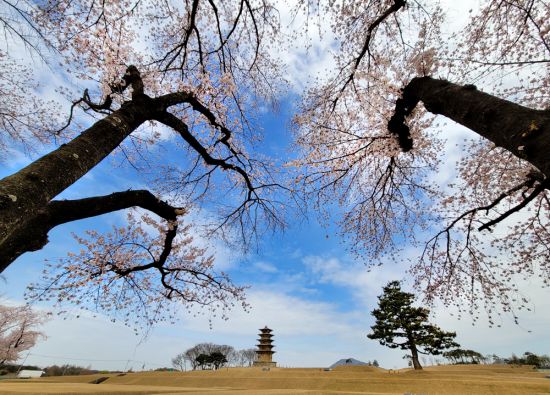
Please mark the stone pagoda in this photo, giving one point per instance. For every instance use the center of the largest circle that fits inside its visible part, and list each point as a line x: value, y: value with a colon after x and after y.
x: 265, y: 351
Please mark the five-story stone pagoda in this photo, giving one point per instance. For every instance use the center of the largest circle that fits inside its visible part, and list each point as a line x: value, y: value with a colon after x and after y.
x: 265, y: 349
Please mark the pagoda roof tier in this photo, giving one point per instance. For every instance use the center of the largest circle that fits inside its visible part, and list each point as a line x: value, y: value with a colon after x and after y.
x: 266, y: 329
x: 266, y: 335
x: 265, y: 352
x: 261, y: 339
x: 264, y: 346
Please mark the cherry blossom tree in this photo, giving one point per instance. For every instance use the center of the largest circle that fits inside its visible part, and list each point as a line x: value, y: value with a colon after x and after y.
x: 184, y: 79
x: 18, y: 331
x: 366, y: 139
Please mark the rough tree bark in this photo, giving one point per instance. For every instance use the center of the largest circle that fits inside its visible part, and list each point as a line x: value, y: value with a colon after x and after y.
x: 523, y: 131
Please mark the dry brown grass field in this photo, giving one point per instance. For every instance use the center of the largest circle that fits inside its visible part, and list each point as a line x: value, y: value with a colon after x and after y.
x: 483, y: 379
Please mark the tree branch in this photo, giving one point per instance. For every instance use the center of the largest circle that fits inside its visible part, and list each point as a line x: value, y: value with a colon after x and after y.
x: 540, y: 188
x: 178, y: 125
x: 396, y: 6
x: 62, y: 211
x: 35, y: 234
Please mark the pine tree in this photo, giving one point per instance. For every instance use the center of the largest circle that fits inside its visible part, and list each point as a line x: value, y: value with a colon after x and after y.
x: 400, y: 325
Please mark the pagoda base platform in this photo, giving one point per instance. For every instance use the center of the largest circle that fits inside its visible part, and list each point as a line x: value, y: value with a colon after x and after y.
x: 262, y: 364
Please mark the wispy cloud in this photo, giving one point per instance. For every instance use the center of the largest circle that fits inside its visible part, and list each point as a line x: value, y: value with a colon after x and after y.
x: 363, y: 283
x: 265, y: 267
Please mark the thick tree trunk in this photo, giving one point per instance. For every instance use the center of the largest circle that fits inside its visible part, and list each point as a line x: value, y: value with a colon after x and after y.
x: 414, y: 354
x: 25, y: 195
x: 523, y: 131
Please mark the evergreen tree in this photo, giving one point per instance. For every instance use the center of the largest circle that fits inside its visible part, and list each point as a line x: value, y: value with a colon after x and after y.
x: 400, y: 325
x: 217, y: 359
x: 203, y: 361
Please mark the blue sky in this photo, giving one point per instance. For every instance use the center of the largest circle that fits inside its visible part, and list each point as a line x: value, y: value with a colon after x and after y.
x: 304, y: 284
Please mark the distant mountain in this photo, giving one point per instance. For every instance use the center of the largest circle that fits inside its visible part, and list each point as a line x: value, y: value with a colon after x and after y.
x: 348, y: 362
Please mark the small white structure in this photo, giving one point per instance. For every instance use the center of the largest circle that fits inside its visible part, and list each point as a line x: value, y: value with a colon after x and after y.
x: 29, y: 374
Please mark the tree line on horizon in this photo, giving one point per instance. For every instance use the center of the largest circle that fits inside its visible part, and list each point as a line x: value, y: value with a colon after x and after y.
x: 471, y: 357
x: 66, y: 370
x: 528, y: 358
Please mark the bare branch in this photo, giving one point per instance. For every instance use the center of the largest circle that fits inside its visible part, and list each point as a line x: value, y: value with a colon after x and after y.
x: 62, y: 211
x: 365, y: 50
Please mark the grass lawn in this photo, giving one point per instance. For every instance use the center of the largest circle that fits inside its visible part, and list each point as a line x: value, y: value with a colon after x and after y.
x: 465, y: 379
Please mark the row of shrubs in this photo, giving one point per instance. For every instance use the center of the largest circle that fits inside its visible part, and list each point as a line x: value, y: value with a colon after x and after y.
x: 460, y: 357
x: 9, y: 368
x: 63, y: 370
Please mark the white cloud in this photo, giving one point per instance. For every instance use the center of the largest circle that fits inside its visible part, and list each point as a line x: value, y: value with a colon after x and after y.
x: 306, y: 52
x: 364, y: 284
x: 265, y: 267
x: 288, y: 315
x: 455, y: 136
x: 101, y: 344
x: 15, y: 159
x: 156, y: 132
